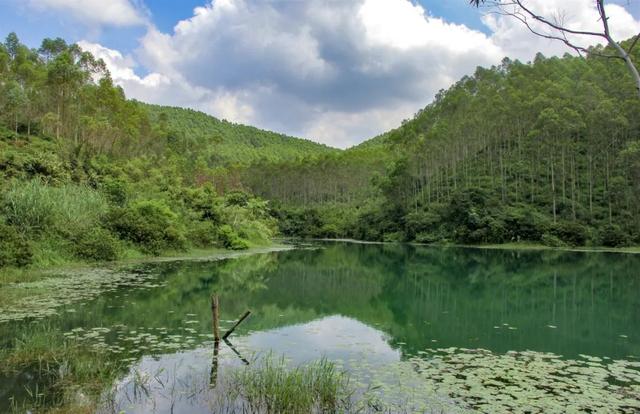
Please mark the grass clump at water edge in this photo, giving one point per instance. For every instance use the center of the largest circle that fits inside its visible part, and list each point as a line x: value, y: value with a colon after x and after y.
x: 269, y: 385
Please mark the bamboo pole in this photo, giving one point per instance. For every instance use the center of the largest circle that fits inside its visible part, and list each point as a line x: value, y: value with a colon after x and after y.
x: 242, y: 318
x: 215, y: 315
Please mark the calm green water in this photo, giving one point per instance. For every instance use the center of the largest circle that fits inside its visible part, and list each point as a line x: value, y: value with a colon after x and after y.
x: 431, y: 328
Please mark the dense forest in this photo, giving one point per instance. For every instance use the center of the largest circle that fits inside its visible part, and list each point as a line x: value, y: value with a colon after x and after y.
x: 86, y: 174
x: 545, y: 152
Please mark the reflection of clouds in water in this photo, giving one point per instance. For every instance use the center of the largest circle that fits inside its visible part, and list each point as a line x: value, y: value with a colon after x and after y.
x: 335, y: 337
x: 179, y: 383
x: 171, y: 383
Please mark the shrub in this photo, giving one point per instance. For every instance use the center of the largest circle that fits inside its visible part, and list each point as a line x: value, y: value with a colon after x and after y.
x: 237, y: 198
x: 552, y: 241
x: 571, y: 233
x: 299, y: 223
x: 203, y: 201
x: 97, y: 245
x: 329, y: 230
x: 429, y: 237
x: 394, y: 237
x: 203, y: 234
x: 421, y: 222
x: 117, y: 191
x: 15, y: 249
x: 613, y: 236
x: 523, y: 223
x: 230, y: 239
x: 150, y: 224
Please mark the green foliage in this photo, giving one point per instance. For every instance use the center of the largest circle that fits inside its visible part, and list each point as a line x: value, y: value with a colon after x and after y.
x: 34, y: 207
x: 299, y: 222
x: 194, y: 135
x: 97, y: 245
x: 230, y: 239
x: 15, y: 249
x: 613, y: 236
x: 150, y: 224
x: 237, y: 198
x: 117, y: 191
x: 203, y: 234
x: 540, y: 152
x: 573, y: 234
x: 552, y: 240
x: 270, y: 386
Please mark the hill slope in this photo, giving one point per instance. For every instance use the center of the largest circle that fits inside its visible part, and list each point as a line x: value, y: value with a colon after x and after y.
x: 547, y: 152
x: 226, y: 142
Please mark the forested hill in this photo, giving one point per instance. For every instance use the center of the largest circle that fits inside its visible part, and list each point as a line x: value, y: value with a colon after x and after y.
x: 223, y: 142
x: 547, y: 152
x: 87, y: 174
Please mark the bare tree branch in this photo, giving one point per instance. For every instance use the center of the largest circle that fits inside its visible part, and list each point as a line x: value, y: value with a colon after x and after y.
x: 560, y: 32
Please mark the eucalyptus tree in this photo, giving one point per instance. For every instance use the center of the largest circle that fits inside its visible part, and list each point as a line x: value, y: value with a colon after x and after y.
x: 555, y: 28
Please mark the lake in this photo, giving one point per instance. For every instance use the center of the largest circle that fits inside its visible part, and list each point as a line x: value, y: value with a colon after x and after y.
x: 419, y: 328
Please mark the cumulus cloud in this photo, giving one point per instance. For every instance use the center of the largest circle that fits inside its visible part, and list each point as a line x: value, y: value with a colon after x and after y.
x: 334, y: 71
x: 111, y: 12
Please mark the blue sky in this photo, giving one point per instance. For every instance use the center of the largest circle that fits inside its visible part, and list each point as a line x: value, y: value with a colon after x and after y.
x: 33, y: 26
x: 336, y: 71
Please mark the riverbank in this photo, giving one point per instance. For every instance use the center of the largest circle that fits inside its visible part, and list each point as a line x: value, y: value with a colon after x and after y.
x: 533, y: 246
x: 38, y: 293
x: 504, y: 246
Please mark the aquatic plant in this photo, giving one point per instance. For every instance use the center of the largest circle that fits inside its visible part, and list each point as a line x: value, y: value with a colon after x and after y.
x: 270, y: 386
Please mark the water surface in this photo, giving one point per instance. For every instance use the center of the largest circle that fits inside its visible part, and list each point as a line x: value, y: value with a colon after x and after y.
x: 426, y: 328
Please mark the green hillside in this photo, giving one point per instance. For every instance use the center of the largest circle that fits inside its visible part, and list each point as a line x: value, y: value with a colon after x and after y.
x: 223, y: 142
x: 88, y: 175
x: 545, y: 152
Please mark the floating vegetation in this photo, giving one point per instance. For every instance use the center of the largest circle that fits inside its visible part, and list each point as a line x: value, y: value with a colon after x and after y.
x: 121, y: 341
x: 43, y: 298
x: 531, y: 382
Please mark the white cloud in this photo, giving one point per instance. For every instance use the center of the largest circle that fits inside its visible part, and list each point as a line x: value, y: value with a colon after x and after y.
x: 110, y: 12
x: 334, y: 71
x: 122, y: 67
x: 337, y: 71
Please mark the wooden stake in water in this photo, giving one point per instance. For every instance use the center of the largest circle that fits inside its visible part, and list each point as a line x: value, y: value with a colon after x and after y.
x: 242, y: 318
x: 216, y: 317
x: 213, y: 381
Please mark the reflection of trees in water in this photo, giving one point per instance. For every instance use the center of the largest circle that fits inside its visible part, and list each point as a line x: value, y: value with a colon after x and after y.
x: 456, y: 296
x: 463, y: 293
x: 416, y: 294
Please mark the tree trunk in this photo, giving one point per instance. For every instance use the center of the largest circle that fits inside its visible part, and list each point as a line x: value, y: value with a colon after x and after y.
x: 553, y: 191
x: 591, y: 185
x: 564, y: 191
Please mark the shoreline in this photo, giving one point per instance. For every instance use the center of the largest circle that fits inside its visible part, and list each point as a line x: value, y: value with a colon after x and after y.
x: 9, y: 276
x: 22, y: 293
x: 504, y: 246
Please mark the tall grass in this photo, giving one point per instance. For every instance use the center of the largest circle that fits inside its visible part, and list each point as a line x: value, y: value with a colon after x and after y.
x: 270, y: 386
x: 61, y: 372
x: 35, y: 207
